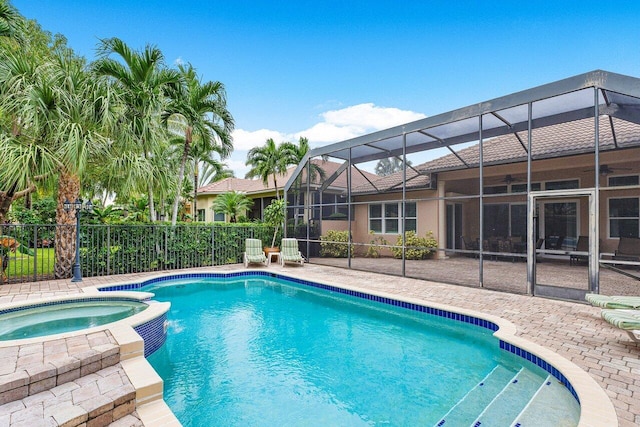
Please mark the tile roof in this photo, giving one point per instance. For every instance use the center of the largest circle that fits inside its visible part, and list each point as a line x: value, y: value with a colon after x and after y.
x: 255, y: 186
x: 552, y: 141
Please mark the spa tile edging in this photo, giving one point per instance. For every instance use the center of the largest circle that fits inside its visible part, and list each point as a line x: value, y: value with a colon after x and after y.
x: 473, y: 320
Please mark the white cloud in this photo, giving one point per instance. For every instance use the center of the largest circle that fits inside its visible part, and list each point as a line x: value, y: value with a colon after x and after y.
x: 244, y: 140
x: 179, y: 61
x: 334, y: 126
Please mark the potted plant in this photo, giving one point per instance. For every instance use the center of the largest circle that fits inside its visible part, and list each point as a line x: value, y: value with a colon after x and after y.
x: 274, y: 216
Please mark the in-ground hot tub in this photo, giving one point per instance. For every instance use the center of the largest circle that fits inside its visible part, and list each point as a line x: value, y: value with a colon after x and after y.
x: 68, y: 315
x: 47, y: 318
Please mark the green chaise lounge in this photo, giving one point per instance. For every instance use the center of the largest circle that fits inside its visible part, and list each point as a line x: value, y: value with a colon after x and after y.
x: 253, y: 252
x: 606, y: 301
x: 289, y: 252
x: 627, y: 320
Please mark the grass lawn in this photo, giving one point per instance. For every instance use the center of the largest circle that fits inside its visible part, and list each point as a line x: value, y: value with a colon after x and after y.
x: 22, y: 265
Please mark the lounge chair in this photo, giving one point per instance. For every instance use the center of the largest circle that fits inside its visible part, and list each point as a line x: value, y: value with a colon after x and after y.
x: 253, y: 252
x: 627, y: 320
x: 289, y: 252
x: 628, y: 249
x: 581, y: 246
x: 613, y: 302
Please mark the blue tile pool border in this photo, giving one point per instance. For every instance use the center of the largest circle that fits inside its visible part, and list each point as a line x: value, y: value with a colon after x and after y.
x: 532, y: 358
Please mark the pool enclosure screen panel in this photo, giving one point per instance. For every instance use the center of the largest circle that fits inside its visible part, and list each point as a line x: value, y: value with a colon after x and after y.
x: 462, y: 179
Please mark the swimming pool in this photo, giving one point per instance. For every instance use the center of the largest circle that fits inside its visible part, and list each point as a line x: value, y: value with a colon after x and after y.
x: 266, y: 351
x: 48, y: 318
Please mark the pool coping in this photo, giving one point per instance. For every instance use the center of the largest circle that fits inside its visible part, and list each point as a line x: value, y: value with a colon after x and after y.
x: 596, y: 408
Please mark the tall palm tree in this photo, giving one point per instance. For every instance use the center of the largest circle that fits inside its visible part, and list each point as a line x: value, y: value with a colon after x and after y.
x: 10, y: 21
x: 389, y: 166
x: 266, y: 161
x: 62, y: 118
x: 295, y: 153
x: 200, y: 110
x: 233, y: 204
x: 144, y: 82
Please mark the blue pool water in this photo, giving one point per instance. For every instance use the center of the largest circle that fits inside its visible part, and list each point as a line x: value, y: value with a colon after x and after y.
x: 266, y: 352
x: 49, y: 319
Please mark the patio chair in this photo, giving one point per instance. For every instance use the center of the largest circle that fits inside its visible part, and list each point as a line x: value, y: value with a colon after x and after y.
x: 581, y: 246
x: 289, y: 252
x: 253, y: 252
x: 470, y: 245
x: 627, y: 320
x: 613, y: 301
x: 628, y: 249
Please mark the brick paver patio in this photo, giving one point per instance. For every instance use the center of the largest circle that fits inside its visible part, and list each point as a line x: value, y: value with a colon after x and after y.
x: 573, y: 330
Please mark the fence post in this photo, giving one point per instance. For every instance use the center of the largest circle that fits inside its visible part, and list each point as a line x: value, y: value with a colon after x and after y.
x: 108, y: 250
x: 35, y: 253
x: 213, y: 239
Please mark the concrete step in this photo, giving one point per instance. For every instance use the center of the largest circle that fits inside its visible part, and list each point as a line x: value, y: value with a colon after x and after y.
x: 96, y: 399
x: 28, y: 369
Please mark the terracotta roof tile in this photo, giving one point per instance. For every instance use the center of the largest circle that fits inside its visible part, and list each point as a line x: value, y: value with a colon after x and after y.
x: 560, y: 140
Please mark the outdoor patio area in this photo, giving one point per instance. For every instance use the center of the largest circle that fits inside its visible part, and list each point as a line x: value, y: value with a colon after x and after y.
x: 573, y: 330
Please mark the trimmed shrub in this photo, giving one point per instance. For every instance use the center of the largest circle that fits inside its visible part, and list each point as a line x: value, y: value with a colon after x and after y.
x: 335, y: 244
x: 416, y: 247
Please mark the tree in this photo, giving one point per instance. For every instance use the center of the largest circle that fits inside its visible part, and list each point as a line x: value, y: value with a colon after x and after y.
x: 274, y: 216
x: 62, y: 116
x: 143, y: 81
x: 295, y: 153
x: 233, y: 204
x: 200, y: 110
x: 389, y: 166
x: 268, y: 160
x: 11, y: 21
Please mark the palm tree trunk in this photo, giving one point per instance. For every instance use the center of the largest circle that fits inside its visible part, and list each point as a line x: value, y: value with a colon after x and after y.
x: 183, y: 162
x: 65, y: 239
x: 195, y: 190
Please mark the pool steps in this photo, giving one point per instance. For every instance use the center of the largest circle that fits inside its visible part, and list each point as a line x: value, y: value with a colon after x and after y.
x: 70, y: 381
x: 497, y: 396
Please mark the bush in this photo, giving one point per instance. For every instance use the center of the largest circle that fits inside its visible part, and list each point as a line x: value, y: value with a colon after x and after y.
x: 416, y: 247
x: 335, y: 244
x: 378, y: 242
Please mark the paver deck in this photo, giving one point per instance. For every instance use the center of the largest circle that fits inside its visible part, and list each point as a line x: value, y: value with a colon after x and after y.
x: 573, y: 330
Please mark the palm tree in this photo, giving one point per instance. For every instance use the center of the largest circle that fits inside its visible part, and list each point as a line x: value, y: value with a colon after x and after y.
x: 389, y: 166
x: 233, y: 204
x: 295, y: 153
x: 201, y: 111
x: 144, y: 82
x: 268, y: 160
x: 10, y: 21
x: 62, y: 115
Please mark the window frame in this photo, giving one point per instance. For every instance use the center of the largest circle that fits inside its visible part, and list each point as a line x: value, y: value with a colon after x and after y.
x: 610, y: 218
x: 383, y: 218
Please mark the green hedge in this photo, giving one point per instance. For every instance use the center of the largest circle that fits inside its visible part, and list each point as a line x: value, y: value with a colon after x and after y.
x: 416, y: 247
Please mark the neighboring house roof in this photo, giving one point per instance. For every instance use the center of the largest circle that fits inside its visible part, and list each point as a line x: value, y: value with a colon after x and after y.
x: 559, y: 140
x: 256, y: 186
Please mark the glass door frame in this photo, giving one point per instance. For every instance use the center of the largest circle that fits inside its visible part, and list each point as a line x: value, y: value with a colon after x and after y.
x: 593, y: 233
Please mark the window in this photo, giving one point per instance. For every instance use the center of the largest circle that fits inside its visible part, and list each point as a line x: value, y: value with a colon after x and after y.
x: 201, y: 215
x: 495, y: 189
x: 504, y: 219
x: 619, y: 181
x: 219, y: 217
x: 334, y: 206
x: 562, y: 185
x: 624, y: 217
x: 522, y: 188
x: 385, y: 217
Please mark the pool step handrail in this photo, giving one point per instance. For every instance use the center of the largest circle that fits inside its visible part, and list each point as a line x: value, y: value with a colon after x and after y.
x: 543, y: 405
x: 500, y: 411
x: 465, y: 411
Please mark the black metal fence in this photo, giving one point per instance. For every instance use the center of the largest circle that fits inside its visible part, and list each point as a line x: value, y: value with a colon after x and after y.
x: 28, y: 251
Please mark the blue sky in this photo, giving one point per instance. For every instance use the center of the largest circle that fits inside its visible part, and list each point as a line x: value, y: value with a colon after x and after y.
x: 331, y: 70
